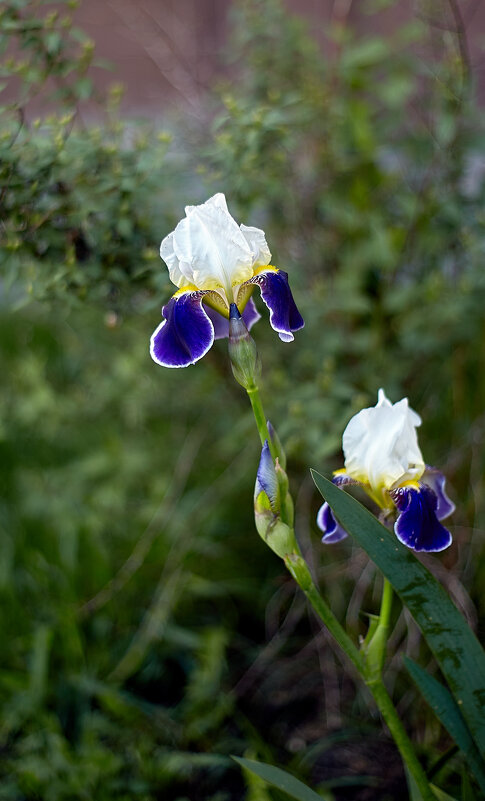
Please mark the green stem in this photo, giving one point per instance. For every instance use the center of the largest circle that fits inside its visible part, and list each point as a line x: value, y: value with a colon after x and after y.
x: 260, y: 418
x: 375, y: 649
x: 373, y: 682
x: 386, y: 604
x: 404, y: 744
x: 324, y: 613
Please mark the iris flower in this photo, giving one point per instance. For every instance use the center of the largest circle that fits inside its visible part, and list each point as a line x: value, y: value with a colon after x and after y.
x: 382, y: 454
x: 214, y: 262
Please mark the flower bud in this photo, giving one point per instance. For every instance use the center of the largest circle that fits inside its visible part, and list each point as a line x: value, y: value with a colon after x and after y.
x: 268, y: 508
x: 244, y: 358
x: 277, y: 446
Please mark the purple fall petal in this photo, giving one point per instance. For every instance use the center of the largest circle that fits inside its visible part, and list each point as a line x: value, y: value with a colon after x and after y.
x: 435, y: 479
x: 284, y: 317
x: 331, y: 528
x: 418, y: 526
x: 186, y: 333
x: 219, y: 323
x: 250, y: 314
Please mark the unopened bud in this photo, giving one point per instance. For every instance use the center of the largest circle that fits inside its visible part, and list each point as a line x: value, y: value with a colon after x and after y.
x: 287, y: 511
x: 271, y: 526
x: 278, y: 535
x: 277, y: 447
x: 242, y: 351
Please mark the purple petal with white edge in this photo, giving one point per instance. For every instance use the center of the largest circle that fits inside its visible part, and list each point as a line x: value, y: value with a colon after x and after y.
x: 186, y: 333
x: 266, y: 480
x: 284, y: 317
x: 326, y: 522
x: 435, y: 479
x: 417, y: 526
x: 250, y: 316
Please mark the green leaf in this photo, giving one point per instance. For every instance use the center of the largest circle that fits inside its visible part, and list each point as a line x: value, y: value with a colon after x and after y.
x: 457, y: 650
x: 467, y: 793
x: 441, y: 795
x: 414, y: 793
x: 280, y: 779
x: 449, y: 714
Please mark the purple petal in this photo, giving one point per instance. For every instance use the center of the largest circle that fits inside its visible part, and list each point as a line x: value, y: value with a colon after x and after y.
x: 186, y: 333
x: 418, y: 526
x: 435, y: 479
x: 343, y: 480
x: 266, y: 480
x: 250, y: 316
x: 284, y: 317
x: 220, y: 324
x: 326, y: 522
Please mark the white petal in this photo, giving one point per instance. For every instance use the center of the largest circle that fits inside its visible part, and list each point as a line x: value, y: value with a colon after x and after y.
x: 380, y: 445
x: 218, y: 201
x: 175, y: 268
x: 210, y: 251
x: 212, y: 248
x: 259, y: 247
x: 382, y: 400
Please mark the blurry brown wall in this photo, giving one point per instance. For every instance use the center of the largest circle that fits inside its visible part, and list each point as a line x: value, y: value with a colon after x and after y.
x: 166, y: 52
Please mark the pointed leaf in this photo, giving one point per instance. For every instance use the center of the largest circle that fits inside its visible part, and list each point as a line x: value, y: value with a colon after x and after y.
x: 467, y: 793
x: 448, y: 713
x: 414, y: 791
x: 280, y: 779
x: 457, y: 650
x: 441, y: 795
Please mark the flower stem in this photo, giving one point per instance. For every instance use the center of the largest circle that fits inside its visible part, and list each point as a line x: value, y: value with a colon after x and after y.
x: 260, y: 418
x: 372, y: 679
x: 386, y: 604
x: 335, y: 628
x: 374, y: 654
x: 375, y: 649
x: 400, y: 737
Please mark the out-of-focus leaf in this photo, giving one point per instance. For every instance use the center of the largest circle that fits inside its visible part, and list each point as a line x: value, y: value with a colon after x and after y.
x: 279, y: 779
x: 449, y: 714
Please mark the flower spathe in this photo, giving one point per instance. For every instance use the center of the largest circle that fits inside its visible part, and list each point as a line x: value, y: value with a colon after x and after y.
x: 382, y: 454
x: 215, y: 262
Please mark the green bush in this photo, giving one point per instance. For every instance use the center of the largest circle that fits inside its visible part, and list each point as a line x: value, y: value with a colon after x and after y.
x: 136, y: 595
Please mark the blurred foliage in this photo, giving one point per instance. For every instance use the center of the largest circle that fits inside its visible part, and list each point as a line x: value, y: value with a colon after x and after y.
x: 82, y: 203
x: 147, y: 632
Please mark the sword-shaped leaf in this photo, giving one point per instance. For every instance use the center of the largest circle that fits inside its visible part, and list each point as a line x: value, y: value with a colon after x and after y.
x: 456, y: 649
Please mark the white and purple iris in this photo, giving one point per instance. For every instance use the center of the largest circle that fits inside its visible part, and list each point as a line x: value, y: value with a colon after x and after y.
x: 382, y: 454
x: 214, y: 262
